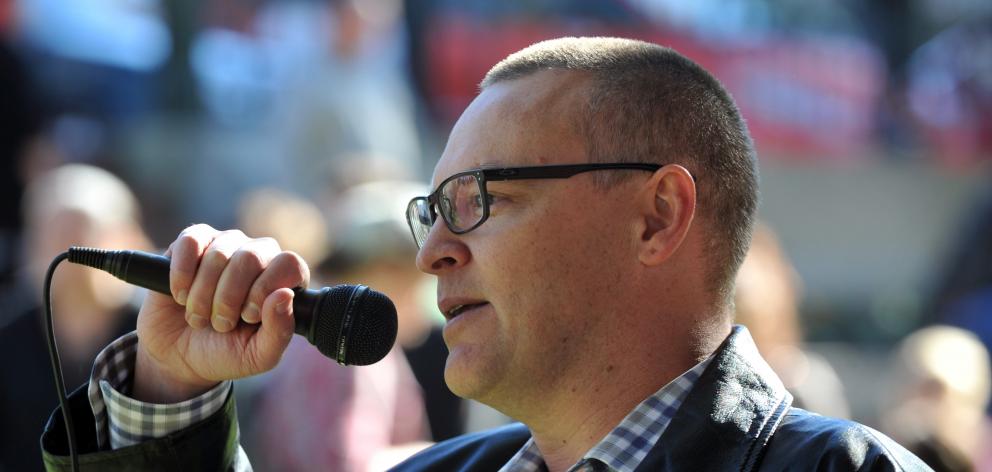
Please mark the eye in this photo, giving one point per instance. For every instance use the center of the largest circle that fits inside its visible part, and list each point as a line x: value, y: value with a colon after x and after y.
x: 477, y: 200
x: 445, y: 206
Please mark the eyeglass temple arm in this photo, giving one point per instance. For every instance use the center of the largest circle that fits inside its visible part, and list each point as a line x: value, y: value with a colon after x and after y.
x: 559, y: 171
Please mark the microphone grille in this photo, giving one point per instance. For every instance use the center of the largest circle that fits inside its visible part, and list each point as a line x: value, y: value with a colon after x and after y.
x: 373, y: 324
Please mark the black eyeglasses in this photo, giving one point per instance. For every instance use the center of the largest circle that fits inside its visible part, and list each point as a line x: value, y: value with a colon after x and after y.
x: 463, y: 202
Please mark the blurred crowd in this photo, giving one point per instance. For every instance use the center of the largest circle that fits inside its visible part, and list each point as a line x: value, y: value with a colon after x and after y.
x: 315, y: 121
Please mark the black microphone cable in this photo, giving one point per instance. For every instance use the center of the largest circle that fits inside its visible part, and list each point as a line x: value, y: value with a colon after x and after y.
x: 53, y: 353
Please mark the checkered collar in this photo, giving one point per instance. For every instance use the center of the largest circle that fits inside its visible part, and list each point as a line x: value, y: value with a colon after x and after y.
x: 630, y: 441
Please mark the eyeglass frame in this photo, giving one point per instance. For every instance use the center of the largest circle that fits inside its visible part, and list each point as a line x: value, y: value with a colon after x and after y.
x: 497, y: 174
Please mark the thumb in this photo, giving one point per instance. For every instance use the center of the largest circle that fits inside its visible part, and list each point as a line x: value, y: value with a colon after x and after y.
x: 275, y: 331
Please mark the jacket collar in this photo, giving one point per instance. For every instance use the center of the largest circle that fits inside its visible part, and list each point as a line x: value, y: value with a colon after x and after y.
x: 726, y: 420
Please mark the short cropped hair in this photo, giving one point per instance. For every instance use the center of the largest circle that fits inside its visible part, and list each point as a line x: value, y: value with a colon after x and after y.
x: 648, y: 103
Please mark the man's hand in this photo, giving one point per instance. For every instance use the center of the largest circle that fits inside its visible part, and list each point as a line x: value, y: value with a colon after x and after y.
x: 191, y: 341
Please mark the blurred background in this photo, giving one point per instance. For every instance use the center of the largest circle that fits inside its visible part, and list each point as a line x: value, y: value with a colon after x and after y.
x: 872, y: 119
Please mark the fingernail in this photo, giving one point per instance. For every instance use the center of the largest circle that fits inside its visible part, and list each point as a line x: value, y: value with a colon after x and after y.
x: 251, y: 314
x: 283, y: 308
x: 195, y: 320
x: 181, y: 297
x: 222, y: 324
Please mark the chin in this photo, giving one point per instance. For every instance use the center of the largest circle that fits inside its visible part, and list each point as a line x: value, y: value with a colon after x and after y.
x: 466, y: 375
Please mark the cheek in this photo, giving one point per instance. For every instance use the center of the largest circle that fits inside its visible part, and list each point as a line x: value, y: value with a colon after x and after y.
x: 552, y: 273
x: 580, y: 251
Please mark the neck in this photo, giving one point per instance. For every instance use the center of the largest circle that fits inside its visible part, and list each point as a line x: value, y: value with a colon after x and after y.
x: 633, y: 364
x: 590, y: 412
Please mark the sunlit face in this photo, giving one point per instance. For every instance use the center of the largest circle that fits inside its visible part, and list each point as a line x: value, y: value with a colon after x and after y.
x: 524, y: 292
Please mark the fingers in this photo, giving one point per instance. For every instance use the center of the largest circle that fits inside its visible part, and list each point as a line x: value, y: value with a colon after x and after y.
x: 215, y: 261
x: 274, y: 333
x: 243, y: 268
x: 185, y: 253
x: 223, y: 276
x: 287, y: 269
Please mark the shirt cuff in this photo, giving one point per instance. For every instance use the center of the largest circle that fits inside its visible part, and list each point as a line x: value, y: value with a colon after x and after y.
x: 123, y: 421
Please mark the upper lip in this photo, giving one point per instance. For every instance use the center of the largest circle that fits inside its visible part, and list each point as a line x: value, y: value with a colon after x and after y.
x: 449, y: 305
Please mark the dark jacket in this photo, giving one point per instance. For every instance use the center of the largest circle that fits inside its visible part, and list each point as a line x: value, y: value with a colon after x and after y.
x: 211, y: 444
x: 27, y: 388
x: 737, y: 417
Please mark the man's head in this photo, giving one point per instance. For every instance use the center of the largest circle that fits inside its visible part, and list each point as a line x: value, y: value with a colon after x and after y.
x: 571, y: 277
x: 81, y: 205
x: 648, y: 103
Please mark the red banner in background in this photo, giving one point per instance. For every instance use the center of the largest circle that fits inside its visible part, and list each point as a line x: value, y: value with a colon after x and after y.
x: 813, y: 98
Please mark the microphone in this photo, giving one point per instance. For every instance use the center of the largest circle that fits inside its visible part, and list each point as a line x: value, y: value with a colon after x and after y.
x: 352, y: 324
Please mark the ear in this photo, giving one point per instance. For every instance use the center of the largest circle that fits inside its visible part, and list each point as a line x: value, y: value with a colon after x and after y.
x: 668, y: 205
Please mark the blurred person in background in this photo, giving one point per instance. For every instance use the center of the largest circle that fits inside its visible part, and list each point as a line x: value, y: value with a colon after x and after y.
x: 939, y: 389
x: 20, y: 124
x: 963, y: 292
x: 766, y: 301
x: 72, y: 205
x: 325, y: 80
x: 948, y: 89
x: 295, y: 221
x: 311, y: 413
x: 353, y: 96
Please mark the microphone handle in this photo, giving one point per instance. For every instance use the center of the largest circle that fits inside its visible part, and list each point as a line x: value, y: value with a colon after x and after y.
x: 151, y: 271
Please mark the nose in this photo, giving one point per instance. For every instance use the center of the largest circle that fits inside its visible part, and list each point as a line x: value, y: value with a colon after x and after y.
x: 442, y: 252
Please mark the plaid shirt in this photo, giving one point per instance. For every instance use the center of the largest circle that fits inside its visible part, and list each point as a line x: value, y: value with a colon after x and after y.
x: 123, y: 421
x: 628, y: 444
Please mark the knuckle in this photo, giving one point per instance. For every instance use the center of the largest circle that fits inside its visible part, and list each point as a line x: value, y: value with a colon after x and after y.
x: 293, y: 265
x: 284, y: 258
x: 201, y: 227
x: 268, y: 241
x: 233, y: 233
x: 184, y: 241
x: 193, y: 231
x: 187, y: 242
x: 215, y: 256
x: 248, y: 261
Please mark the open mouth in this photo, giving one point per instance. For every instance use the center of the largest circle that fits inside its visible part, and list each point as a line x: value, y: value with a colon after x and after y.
x: 460, y: 309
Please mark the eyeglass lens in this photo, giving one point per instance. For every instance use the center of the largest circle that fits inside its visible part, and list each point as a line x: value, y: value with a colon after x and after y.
x: 418, y: 215
x: 460, y: 203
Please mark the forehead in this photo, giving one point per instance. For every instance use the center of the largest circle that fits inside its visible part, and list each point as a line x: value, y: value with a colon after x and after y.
x: 532, y: 120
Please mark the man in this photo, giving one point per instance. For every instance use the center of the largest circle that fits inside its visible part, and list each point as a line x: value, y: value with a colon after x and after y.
x: 591, y: 302
x: 70, y: 204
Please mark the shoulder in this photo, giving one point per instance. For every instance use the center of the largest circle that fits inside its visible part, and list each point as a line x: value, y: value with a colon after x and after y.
x: 826, y: 443
x: 485, y: 450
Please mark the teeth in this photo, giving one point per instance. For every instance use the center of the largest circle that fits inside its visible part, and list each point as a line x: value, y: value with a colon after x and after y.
x: 458, y: 309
